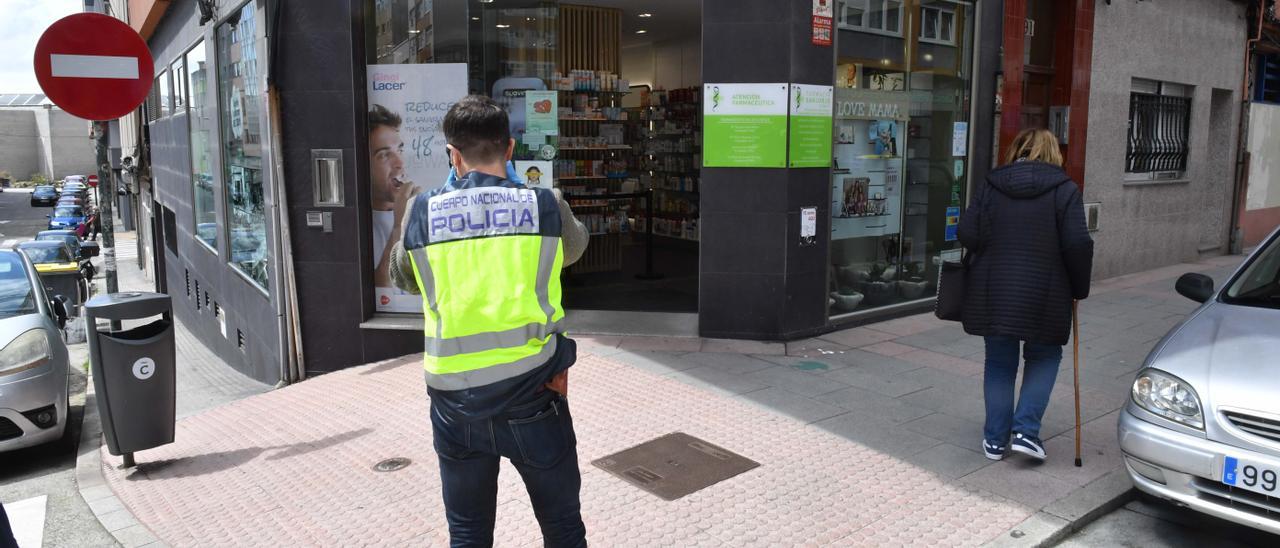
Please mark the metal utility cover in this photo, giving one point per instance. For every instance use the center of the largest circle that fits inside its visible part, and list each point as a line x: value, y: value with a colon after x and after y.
x: 675, y: 465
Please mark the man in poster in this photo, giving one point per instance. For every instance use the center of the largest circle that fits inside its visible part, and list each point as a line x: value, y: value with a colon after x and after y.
x: 390, y: 191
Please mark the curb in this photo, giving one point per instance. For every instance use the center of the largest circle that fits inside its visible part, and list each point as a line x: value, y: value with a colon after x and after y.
x: 1055, y: 522
x: 110, y: 511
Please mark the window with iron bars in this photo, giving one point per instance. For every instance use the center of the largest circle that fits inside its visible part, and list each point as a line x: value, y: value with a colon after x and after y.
x: 1159, y: 130
x: 1267, y: 79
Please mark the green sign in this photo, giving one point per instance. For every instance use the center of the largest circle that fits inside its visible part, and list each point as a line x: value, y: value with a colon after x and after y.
x: 810, y: 143
x: 745, y: 125
x: 541, y: 109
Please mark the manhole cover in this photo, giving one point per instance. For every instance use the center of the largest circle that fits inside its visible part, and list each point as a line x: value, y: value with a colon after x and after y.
x: 391, y: 464
x: 675, y: 465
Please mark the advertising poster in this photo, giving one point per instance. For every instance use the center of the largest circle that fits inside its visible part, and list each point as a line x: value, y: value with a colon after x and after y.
x: 811, y: 125
x: 960, y: 138
x: 745, y: 125
x: 407, y: 155
x: 535, y: 173
x: 953, y: 224
x: 808, y: 226
x: 822, y: 19
x: 542, y: 109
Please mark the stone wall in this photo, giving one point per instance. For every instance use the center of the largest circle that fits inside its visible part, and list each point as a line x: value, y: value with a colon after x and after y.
x: 1198, y: 43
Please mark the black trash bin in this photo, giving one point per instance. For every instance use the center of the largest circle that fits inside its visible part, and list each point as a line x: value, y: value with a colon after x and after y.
x: 133, y: 370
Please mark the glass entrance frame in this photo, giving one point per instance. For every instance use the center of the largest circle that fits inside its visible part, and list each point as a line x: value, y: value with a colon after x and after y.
x: 900, y: 156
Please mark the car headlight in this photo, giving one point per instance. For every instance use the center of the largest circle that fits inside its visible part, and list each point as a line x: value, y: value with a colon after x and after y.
x: 1169, y: 397
x: 29, y: 351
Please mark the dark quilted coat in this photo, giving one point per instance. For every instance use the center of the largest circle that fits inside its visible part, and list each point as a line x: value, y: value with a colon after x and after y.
x: 1031, y: 254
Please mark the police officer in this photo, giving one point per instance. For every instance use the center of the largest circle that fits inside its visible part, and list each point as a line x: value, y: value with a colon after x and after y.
x: 485, y: 253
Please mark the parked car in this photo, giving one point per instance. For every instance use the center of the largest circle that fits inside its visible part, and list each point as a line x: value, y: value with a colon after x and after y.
x: 44, y: 195
x: 68, y: 217
x: 80, y: 250
x: 33, y: 359
x: 79, y: 191
x: 58, y: 267
x: 1202, y: 426
x: 69, y: 200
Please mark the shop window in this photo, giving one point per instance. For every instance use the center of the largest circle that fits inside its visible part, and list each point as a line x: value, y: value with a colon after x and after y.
x: 200, y: 124
x: 562, y: 70
x: 875, y: 16
x: 241, y: 42
x: 162, y: 82
x: 1159, y: 130
x: 900, y: 167
x: 938, y: 25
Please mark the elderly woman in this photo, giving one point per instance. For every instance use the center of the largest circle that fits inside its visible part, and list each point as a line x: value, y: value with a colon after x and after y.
x: 1031, y: 255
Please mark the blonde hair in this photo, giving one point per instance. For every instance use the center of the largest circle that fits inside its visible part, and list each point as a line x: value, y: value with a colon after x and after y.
x: 1035, y: 144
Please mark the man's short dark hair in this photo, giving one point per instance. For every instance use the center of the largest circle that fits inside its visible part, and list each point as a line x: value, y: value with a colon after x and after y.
x: 379, y: 116
x: 478, y: 128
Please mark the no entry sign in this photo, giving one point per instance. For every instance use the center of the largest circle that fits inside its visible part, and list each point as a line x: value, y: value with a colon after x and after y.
x: 93, y: 66
x: 93, y: 180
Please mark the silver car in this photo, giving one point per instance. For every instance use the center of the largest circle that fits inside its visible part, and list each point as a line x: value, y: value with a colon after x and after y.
x: 1202, y: 428
x: 33, y: 358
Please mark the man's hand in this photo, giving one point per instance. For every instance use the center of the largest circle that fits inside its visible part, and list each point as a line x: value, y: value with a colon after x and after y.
x: 404, y: 194
x: 560, y: 383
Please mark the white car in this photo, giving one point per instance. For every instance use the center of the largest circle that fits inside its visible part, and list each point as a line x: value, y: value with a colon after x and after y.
x: 1202, y: 426
x: 33, y: 358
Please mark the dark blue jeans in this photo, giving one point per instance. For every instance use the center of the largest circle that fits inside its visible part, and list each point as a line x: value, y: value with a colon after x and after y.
x: 537, y: 436
x: 1001, y: 373
x: 6, y: 533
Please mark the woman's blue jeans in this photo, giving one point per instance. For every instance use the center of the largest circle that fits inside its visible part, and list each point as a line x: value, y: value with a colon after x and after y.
x: 1001, y: 373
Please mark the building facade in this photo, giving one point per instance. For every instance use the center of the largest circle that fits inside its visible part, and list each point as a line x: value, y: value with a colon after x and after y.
x: 1258, y: 205
x: 37, y: 137
x: 280, y: 131
x: 1163, y: 203
x: 211, y: 182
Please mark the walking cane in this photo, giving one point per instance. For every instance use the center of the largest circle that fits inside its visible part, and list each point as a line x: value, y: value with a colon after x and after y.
x: 1075, y: 358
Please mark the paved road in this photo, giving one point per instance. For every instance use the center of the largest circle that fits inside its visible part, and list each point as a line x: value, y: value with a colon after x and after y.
x: 1148, y: 522
x: 18, y: 220
x: 40, y: 481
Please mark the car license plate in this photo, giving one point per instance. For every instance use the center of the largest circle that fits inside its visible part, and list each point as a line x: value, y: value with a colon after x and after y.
x: 1251, y: 476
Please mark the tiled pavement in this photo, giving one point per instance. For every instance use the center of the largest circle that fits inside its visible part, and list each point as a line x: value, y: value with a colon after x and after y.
x: 203, y: 382
x: 867, y: 436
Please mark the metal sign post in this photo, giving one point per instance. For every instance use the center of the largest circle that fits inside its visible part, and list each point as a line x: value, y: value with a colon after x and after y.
x: 106, y: 184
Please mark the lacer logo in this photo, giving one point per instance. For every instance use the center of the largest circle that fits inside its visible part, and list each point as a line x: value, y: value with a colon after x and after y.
x: 385, y: 82
x: 487, y: 211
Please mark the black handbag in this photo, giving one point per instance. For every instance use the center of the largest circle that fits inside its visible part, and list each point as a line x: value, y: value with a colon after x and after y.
x: 951, y: 289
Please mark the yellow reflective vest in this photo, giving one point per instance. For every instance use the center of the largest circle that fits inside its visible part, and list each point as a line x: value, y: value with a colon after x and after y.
x: 486, y: 254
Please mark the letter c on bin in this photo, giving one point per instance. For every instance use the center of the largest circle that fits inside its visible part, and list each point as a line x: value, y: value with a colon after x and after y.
x: 144, y: 368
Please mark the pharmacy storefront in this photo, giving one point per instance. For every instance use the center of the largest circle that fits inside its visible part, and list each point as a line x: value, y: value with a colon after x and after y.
x: 765, y: 173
